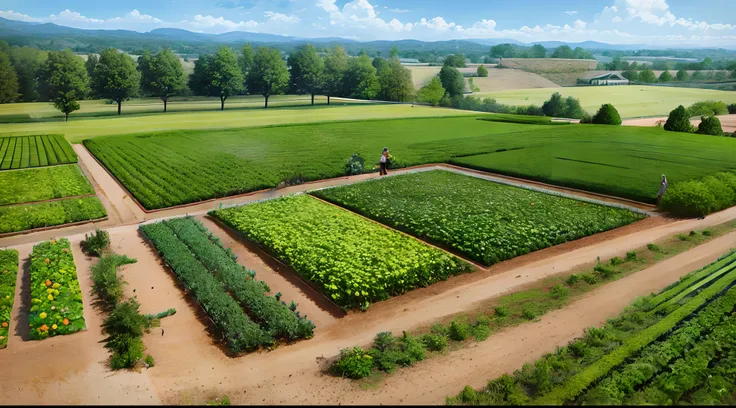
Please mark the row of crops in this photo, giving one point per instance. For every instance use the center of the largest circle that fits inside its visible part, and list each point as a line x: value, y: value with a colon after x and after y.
x: 352, y: 260
x: 487, y: 222
x: 8, y: 273
x: 42, y: 175
x: 235, y: 301
x: 675, y: 347
x: 19, y: 152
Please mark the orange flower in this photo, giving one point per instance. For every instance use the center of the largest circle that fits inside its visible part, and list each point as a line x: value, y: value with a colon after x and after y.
x: 47, y: 260
x: 66, y: 322
x: 48, y: 282
x: 44, y: 328
x: 5, y: 324
x: 53, y: 242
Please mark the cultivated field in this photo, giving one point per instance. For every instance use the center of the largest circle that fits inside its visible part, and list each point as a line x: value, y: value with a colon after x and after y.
x: 549, y: 64
x: 510, y: 79
x: 630, y: 101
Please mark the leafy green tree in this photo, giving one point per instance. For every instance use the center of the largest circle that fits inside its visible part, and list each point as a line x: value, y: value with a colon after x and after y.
x: 269, y: 75
x: 678, y: 121
x: 64, y: 81
x: 537, y: 51
x: 631, y: 75
x: 92, y: 60
x: 554, y: 106
x: 710, y: 125
x: 116, y: 77
x: 394, y: 52
x: 361, y: 80
x: 647, y: 76
x: 457, y: 61
x: 27, y: 62
x: 396, y: 82
x: 665, y: 76
x: 336, y: 66
x: 199, y: 80
x: 503, y: 51
x: 580, y: 53
x: 563, y: 51
x: 607, y: 115
x: 162, y: 75
x: 382, y: 70
x: 482, y: 71
x: 682, y: 75
x: 431, y: 93
x: 719, y: 76
x: 245, y: 60
x: 697, y: 76
x: 452, y: 80
x: 217, y: 75
x: 307, y: 71
x: 8, y: 80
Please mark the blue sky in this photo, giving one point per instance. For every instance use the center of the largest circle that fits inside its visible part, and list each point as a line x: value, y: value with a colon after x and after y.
x: 659, y: 22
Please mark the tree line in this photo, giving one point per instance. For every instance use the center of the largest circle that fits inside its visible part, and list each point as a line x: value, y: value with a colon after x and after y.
x: 538, y: 51
x: 65, y: 78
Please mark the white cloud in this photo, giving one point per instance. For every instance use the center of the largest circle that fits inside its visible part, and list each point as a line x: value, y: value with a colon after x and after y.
x: 12, y: 15
x: 437, y: 23
x: 579, y: 24
x: 616, y: 19
x: 216, y: 25
x: 68, y: 16
x: 570, y: 13
x: 280, y: 18
x: 135, y: 16
x: 398, y: 10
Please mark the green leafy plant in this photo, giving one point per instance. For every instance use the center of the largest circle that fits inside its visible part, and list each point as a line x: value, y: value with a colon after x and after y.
x: 528, y: 312
x: 8, y: 272
x: 631, y: 256
x: 434, y: 342
x: 354, y: 363
x: 150, y: 362
x: 558, y: 292
x: 354, y: 165
x: 710, y: 125
x: 501, y: 311
x: 607, y: 115
x: 572, y: 279
x: 459, y: 330
x: 105, y: 280
x: 96, y: 243
x: 654, y: 247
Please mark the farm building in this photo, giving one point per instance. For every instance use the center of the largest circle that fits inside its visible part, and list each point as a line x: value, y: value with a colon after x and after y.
x: 611, y: 78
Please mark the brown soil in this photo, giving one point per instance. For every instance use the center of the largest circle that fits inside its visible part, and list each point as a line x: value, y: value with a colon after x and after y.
x: 728, y: 122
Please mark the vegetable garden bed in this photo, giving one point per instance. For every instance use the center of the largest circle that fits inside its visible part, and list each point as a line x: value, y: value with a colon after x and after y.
x: 40, y: 215
x: 665, y: 349
x: 19, y: 152
x: 55, y: 294
x: 352, y: 260
x: 46, y: 183
x: 485, y: 221
x: 8, y: 274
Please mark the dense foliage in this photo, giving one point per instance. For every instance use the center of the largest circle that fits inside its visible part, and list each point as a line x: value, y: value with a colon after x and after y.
x: 28, y: 216
x: 485, y: 221
x: 707, y: 108
x: 698, y: 198
x: 105, y: 280
x: 115, y: 77
x: 482, y: 71
x: 162, y: 75
x: 96, y: 243
x: 8, y: 274
x: 452, y: 80
x: 268, y: 74
x: 124, y: 327
x: 353, y: 261
x: 558, y: 107
x: 8, y: 80
x: 607, y: 115
x: 678, y: 121
x: 45, y: 183
x: 56, y: 298
x: 663, y: 349
x: 64, y: 81
x: 710, y: 125
x: 18, y: 152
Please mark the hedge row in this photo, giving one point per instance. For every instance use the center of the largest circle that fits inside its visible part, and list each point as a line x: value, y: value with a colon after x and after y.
x: 8, y: 273
x: 239, y: 331
x: 275, y: 316
x: 698, y: 198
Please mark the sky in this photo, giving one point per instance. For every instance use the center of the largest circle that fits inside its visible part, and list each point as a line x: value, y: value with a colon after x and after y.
x: 650, y: 22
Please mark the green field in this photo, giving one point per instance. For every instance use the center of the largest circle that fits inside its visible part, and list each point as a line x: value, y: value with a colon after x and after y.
x: 170, y: 168
x: 79, y: 129
x: 630, y: 101
x: 34, y: 151
x: 353, y: 261
x: 45, y: 183
x: 486, y: 221
x: 39, y: 215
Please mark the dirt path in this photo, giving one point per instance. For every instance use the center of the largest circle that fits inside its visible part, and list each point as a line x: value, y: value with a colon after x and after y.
x: 728, y: 122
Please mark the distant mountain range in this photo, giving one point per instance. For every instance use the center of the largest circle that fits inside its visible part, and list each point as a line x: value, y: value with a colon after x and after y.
x: 49, y: 35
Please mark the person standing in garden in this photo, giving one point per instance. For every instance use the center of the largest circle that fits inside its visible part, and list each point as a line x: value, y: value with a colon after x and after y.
x: 662, y: 189
x: 384, y: 161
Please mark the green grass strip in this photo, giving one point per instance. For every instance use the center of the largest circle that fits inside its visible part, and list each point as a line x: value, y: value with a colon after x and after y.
x: 43, y: 159
x: 711, y: 278
x: 690, y: 279
x: 5, y: 165
x: 67, y: 148
x: 580, y: 382
x: 25, y: 160
x: 15, y: 164
x: 33, y: 152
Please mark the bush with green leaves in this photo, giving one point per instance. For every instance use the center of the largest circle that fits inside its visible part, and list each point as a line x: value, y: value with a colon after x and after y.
x: 501, y: 311
x: 434, y: 342
x: 105, y: 280
x: 459, y: 330
x: 572, y: 280
x: 707, y: 108
x: 125, y: 327
x: 678, y: 121
x: 710, y: 125
x: 96, y: 243
x: 688, y: 199
x: 354, y: 165
x: 607, y: 115
x: 482, y: 71
x: 354, y: 363
x: 558, y: 291
x: 732, y: 108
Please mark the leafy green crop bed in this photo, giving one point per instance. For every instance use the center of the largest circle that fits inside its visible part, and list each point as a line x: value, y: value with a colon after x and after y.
x: 352, y: 260
x: 177, y: 167
x: 24, y: 186
x: 486, y: 221
x: 28, y: 216
x: 8, y: 274
x: 19, y: 152
x: 649, y: 354
x: 55, y: 294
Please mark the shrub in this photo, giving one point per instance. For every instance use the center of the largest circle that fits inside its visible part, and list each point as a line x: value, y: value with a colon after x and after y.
x: 446, y: 101
x: 501, y: 311
x: 586, y: 118
x: 150, y: 361
x: 707, y: 233
x: 528, y: 312
x: 710, y: 125
x: 589, y: 278
x: 558, y: 291
x: 607, y: 115
x: 224, y: 401
x: 412, y: 350
x: 678, y: 121
x: 105, y: 280
x: 707, y: 108
x: 530, y: 110
x: 631, y: 256
x: 722, y: 193
x: 605, y: 271
x: 354, y: 165
x: 459, y: 330
x: 665, y: 76
x: 434, y: 342
x: 572, y: 279
x: 689, y: 199
x: 554, y: 106
x: 653, y: 247
x: 354, y: 363
x: 481, y: 332
x: 732, y: 107
x: 572, y: 108
x: 693, y: 233
x: 125, y: 327
x: 615, y: 261
x: 96, y: 243
x: 482, y: 71
x: 682, y: 237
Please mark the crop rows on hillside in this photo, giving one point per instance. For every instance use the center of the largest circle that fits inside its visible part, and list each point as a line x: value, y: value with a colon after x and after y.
x: 19, y: 152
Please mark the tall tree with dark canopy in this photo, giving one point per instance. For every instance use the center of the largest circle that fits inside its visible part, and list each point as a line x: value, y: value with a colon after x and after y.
x: 396, y: 83
x: 92, y: 60
x: 307, y: 71
x: 217, y: 75
x: 162, y: 75
x: 678, y: 121
x: 431, y: 93
x: 63, y: 80
x: 27, y: 63
x: 116, y: 77
x: 457, y: 61
x: 563, y: 51
x: 537, y: 51
x: 268, y: 75
x: 503, y: 51
x: 8, y: 80
x: 394, y: 53
x: 336, y: 65
x: 361, y: 79
x: 246, y: 59
x: 452, y: 80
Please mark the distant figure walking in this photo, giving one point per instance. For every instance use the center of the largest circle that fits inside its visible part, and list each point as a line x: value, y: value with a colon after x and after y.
x: 662, y: 189
x: 384, y: 161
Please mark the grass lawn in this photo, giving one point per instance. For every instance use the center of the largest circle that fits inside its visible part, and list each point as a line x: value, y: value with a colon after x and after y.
x: 78, y: 129
x: 630, y: 101
x: 177, y: 167
x: 486, y: 221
